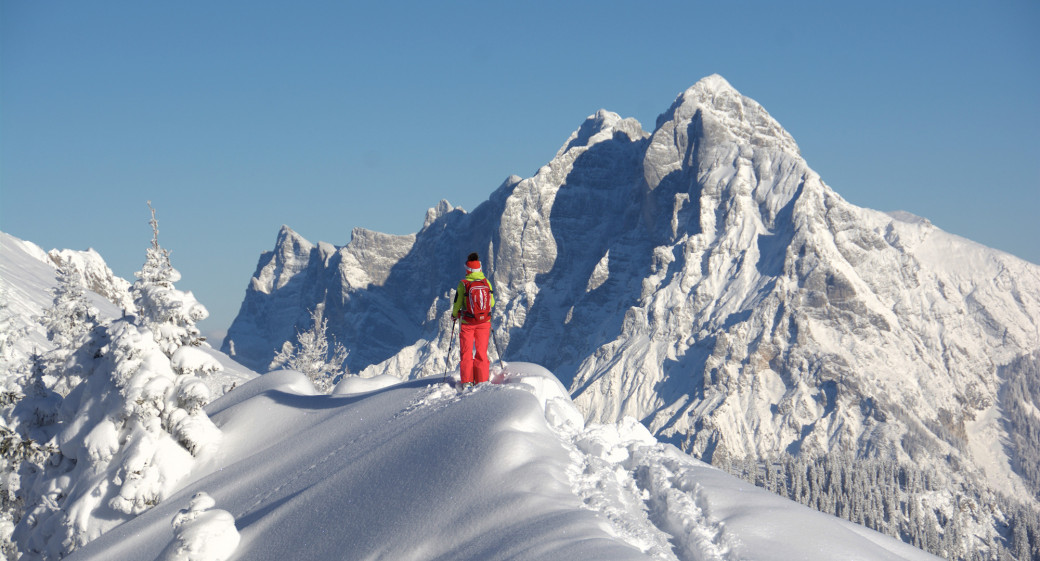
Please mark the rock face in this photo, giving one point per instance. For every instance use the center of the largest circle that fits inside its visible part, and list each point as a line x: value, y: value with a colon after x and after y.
x: 96, y: 275
x: 702, y: 279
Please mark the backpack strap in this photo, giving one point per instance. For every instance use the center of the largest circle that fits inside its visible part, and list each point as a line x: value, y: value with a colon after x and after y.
x: 464, y: 310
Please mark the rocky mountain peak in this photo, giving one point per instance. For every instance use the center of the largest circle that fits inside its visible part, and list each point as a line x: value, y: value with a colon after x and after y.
x: 712, y: 112
x: 602, y: 125
x: 290, y: 243
x: 433, y: 213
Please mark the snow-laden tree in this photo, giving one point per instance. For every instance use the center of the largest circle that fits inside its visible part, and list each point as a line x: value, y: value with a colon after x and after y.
x: 170, y: 313
x: 133, y: 428
x: 71, y: 315
x: 18, y: 374
x: 28, y: 411
x: 311, y: 354
x: 10, y: 333
x: 68, y: 319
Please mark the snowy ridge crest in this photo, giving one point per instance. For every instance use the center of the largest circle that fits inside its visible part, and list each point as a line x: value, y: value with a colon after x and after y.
x: 150, y: 470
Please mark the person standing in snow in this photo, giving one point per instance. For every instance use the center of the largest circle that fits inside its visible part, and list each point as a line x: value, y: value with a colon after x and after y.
x: 474, y: 300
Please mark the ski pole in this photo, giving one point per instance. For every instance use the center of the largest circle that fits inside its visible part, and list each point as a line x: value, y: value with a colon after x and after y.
x: 494, y: 338
x: 451, y: 344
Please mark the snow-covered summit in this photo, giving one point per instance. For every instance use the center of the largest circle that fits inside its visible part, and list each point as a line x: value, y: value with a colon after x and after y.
x: 723, y: 114
x: 602, y: 125
x: 433, y: 213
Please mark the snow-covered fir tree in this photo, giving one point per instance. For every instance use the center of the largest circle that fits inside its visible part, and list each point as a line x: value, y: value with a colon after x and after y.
x: 28, y: 409
x: 133, y: 428
x: 10, y: 333
x: 69, y: 318
x: 15, y: 368
x: 71, y: 315
x: 168, y: 312
x: 311, y: 354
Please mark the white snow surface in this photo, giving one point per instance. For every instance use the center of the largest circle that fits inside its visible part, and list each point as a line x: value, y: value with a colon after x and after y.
x: 417, y: 470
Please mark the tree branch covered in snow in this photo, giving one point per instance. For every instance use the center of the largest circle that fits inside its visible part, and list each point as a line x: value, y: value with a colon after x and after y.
x: 311, y: 354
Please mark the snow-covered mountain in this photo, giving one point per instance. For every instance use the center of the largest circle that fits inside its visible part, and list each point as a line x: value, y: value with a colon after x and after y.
x: 703, y: 279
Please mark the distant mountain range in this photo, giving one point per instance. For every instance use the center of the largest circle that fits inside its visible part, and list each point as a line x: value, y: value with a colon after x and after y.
x: 705, y: 281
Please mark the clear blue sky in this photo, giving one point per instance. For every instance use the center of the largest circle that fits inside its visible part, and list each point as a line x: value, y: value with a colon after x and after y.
x: 236, y: 117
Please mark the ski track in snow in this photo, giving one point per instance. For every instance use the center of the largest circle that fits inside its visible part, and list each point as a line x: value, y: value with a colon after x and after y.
x: 672, y: 509
x: 644, y: 491
x: 436, y: 396
x: 678, y: 508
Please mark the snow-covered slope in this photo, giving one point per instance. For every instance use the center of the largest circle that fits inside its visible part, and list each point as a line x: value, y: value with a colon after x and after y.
x: 415, y: 470
x: 28, y: 278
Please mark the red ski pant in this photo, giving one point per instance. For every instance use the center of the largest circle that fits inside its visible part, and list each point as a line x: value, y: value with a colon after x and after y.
x: 474, y: 369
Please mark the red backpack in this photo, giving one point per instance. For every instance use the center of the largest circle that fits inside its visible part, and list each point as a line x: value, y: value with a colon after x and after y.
x: 477, y: 301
